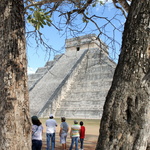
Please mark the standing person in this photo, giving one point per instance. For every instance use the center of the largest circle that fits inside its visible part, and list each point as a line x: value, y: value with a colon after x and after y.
x: 74, y: 135
x: 63, y: 132
x: 82, y: 134
x: 37, y: 130
x: 51, y: 125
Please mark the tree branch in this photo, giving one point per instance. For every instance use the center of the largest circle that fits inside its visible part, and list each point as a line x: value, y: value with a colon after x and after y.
x: 124, y: 5
x: 42, y: 2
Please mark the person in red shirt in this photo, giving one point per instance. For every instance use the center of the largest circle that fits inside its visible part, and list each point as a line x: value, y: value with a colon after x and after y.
x: 82, y: 134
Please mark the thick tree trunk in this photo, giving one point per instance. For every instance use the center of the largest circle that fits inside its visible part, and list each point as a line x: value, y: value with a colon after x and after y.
x: 125, y: 124
x: 14, y: 106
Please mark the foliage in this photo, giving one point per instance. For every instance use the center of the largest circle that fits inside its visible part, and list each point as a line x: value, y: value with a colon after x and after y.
x: 39, y: 18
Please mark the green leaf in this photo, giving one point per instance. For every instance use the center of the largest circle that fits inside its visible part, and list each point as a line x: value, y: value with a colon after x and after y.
x: 37, y: 26
x: 49, y: 20
x: 93, y: 5
x: 31, y: 9
x: 43, y: 22
x: 29, y: 17
x: 42, y: 26
x: 48, y: 24
x: 46, y: 13
x: 101, y: 2
x: 37, y: 15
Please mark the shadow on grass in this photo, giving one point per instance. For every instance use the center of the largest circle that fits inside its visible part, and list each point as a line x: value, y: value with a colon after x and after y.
x: 89, y: 143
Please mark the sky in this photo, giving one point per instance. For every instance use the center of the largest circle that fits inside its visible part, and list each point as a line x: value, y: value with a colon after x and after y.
x: 38, y: 56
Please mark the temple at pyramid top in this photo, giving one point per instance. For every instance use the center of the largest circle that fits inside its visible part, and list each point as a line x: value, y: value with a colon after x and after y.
x: 84, y: 42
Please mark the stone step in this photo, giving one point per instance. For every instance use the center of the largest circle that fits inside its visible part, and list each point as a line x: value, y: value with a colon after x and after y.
x: 85, y: 89
x: 73, y: 100
x: 87, y: 95
x: 79, y: 107
x: 83, y: 81
x: 31, y: 83
x: 95, y: 70
x: 42, y: 70
x: 58, y: 56
x: 35, y: 76
x: 94, y: 114
x: 84, y: 97
x: 82, y: 102
x: 49, y: 64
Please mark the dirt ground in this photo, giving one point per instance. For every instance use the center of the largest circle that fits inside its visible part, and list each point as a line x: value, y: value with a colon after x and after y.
x: 91, y: 136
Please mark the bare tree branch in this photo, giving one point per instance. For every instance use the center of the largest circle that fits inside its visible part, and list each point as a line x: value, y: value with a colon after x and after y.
x: 42, y: 2
x: 125, y: 5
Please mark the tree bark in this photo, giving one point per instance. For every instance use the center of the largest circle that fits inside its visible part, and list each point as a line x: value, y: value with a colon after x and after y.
x: 125, y: 123
x: 14, y: 106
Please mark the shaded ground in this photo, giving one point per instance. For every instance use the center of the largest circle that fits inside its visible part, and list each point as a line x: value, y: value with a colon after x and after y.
x: 92, y: 132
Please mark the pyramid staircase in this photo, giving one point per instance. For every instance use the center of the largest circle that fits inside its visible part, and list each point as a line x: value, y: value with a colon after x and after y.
x: 87, y: 93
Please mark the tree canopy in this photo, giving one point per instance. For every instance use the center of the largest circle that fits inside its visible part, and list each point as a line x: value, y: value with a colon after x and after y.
x: 74, y: 17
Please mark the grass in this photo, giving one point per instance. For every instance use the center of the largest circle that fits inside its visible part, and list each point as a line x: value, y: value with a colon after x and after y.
x: 91, y: 122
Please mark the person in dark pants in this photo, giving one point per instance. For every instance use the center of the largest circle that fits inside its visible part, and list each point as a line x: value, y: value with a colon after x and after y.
x: 82, y: 135
x: 37, y: 130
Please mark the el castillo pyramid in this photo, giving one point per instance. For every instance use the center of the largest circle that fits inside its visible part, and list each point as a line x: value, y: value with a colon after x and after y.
x: 74, y: 84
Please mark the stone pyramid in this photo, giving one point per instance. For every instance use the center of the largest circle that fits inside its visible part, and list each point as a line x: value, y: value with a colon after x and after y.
x: 75, y: 83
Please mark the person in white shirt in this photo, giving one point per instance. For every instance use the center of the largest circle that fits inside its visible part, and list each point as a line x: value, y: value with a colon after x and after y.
x: 37, y: 130
x: 51, y: 125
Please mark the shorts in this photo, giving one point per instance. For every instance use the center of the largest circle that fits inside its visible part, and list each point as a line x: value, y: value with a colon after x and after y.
x: 63, y: 138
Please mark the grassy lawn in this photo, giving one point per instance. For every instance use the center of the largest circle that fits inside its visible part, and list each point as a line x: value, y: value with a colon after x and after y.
x: 91, y: 122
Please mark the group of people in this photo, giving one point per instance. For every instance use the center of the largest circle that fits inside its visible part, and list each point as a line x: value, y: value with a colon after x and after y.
x: 77, y: 133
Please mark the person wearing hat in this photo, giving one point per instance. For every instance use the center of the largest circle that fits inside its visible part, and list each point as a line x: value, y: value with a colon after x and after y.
x: 51, y: 125
x: 63, y: 132
x: 37, y: 130
x: 74, y: 135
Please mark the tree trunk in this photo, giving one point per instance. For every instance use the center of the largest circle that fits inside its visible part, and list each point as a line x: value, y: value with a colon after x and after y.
x: 14, y: 107
x: 125, y: 124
